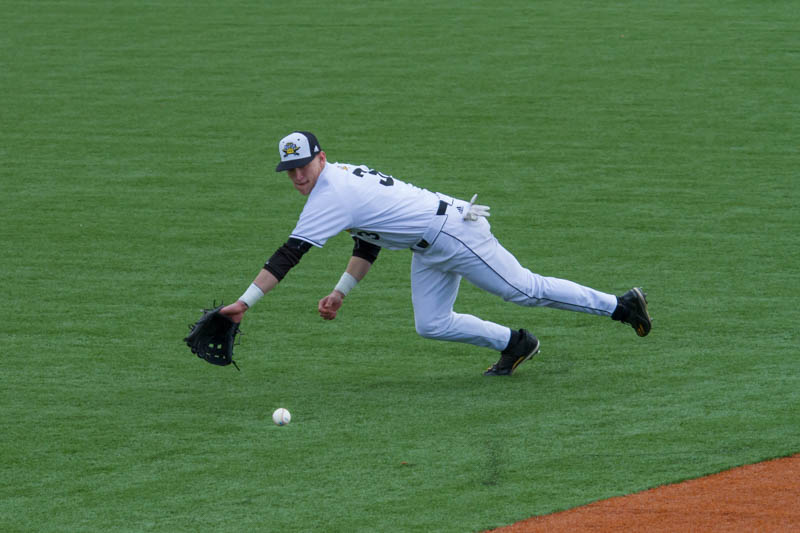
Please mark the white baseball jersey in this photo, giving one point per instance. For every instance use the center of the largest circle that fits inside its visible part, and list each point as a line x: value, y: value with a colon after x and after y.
x: 372, y: 206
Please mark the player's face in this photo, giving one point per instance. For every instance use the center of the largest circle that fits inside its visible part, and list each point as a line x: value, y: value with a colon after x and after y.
x: 304, y: 178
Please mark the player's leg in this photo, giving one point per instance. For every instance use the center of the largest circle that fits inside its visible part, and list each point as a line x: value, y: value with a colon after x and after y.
x: 482, y: 260
x: 433, y: 293
x: 487, y: 264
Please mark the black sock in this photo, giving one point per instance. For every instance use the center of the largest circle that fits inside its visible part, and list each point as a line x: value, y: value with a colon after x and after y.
x: 515, y: 335
x: 620, y: 312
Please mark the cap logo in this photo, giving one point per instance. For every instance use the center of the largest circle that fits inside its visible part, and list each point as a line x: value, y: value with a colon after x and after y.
x: 291, y: 148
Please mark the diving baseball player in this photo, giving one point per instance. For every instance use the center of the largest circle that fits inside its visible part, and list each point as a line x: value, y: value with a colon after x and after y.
x: 450, y: 239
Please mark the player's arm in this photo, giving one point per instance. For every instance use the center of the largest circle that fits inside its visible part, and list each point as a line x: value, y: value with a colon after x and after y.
x: 275, y: 269
x: 364, y: 254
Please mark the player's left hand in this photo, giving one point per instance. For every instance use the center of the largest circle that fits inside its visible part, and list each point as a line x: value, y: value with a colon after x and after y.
x: 234, y: 311
x: 329, y: 305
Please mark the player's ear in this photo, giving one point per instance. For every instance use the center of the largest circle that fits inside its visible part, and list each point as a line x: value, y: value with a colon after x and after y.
x: 322, y: 157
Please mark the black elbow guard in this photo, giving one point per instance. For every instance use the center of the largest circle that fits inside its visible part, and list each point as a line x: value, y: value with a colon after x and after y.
x: 365, y: 250
x: 286, y: 257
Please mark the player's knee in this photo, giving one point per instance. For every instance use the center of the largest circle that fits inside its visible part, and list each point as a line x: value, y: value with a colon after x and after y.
x: 433, y: 329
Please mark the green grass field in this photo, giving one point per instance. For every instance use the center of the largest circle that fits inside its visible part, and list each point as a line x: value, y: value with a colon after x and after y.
x: 618, y: 144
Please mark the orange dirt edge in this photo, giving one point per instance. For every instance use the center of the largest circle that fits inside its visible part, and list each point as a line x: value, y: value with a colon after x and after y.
x: 758, y: 497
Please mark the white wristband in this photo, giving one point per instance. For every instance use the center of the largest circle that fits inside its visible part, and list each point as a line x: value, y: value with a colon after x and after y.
x: 346, y: 283
x: 252, y: 295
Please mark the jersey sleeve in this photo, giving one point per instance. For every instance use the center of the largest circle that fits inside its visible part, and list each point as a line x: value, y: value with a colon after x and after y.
x: 325, y: 214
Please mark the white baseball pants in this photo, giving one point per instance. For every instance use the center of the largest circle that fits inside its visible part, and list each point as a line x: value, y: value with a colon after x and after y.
x: 469, y: 250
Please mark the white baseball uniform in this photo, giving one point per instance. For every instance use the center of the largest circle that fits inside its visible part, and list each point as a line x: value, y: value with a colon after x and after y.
x: 393, y: 214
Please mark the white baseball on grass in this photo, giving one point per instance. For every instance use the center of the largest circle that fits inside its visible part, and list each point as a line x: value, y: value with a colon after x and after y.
x: 281, y: 416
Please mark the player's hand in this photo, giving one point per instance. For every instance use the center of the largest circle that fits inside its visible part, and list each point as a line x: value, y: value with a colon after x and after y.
x: 235, y: 311
x: 329, y: 305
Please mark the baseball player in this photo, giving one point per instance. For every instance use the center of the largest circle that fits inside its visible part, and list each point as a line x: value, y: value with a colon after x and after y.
x: 450, y: 239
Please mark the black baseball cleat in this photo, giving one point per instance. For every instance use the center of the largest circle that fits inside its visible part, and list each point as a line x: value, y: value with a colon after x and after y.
x: 519, y: 350
x: 634, y: 307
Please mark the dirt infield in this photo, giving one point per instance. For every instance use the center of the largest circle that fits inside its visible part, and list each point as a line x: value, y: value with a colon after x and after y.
x: 760, y: 497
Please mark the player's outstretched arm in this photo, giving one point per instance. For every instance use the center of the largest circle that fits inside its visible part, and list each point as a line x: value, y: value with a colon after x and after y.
x: 356, y: 269
x: 275, y: 269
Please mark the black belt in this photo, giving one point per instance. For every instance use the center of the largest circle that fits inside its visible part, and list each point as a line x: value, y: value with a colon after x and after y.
x: 439, y: 212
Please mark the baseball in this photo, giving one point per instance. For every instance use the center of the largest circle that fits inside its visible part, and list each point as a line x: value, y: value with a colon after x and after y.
x: 281, y: 416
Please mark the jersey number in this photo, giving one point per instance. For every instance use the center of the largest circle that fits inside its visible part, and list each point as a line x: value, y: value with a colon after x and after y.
x: 386, y: 180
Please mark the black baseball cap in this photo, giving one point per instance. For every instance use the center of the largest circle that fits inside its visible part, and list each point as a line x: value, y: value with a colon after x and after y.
x: 297, y: 149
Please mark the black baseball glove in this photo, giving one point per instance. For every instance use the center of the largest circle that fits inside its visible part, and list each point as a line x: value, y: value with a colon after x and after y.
x: 212, y: 337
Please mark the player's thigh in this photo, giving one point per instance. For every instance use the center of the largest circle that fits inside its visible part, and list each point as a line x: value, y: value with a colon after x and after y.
x: 490, y: 266
x: 433, y: 291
